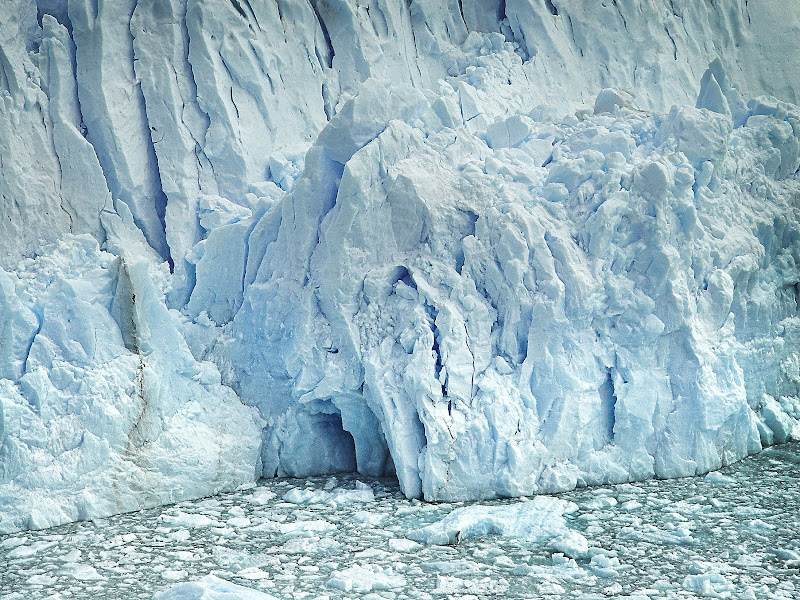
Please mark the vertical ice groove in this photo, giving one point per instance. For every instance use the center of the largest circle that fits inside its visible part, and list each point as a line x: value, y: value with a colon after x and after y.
x: 238, y: 7
x: 327, y: 58
x: 177, y: 122
x: 671, y: 39
x: 114, y: 115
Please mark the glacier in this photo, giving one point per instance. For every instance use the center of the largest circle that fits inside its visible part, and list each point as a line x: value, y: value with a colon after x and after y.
x: 492, y: 248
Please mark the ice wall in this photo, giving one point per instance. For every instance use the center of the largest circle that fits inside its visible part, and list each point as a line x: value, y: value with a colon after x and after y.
x: 525, y: 305
x: 497, y: 248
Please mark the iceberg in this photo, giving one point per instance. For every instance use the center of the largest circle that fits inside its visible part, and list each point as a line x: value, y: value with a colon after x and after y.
x: 493, y: 249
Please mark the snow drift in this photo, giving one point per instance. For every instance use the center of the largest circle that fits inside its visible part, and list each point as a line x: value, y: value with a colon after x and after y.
x: 496, y: 248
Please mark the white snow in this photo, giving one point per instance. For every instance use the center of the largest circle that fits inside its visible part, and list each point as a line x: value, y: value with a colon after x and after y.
x: 494, y: 248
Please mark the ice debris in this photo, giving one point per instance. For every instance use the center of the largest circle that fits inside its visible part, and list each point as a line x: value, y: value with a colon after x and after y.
x: 335, y: 497
x: 540, y: 519
x: 365, y: 578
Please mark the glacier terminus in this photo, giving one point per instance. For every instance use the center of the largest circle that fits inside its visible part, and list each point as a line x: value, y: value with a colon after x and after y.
x: 492, y: 248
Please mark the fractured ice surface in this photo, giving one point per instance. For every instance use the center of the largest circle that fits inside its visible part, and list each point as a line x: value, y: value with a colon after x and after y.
x: 495, y: 248
x: 499, y: 323
x: 112, y: 412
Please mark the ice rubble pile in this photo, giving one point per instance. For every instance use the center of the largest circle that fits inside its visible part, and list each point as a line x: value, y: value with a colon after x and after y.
x: 300, y: 237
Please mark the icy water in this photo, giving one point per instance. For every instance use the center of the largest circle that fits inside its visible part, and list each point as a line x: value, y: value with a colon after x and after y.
x: 735, y: 534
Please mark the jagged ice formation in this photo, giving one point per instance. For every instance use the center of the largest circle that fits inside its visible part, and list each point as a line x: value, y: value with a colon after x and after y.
x: 496, y: 248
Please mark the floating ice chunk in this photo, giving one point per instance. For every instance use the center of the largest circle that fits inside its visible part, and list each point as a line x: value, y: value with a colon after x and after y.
x: 615, y: 589
x: 452, y: 567
x: 310, y: 545
x: 604, y: 566
x: 25, y: 551
x: 81, y: 571
x: 373, y: 553
x: 305, y: 527
x: 717, y: 477
x: 570, y: 543
x: 487, y: 586
x: 600, y: 502
x: 181, y: 535
x: 759, y: 525
x: 709, y: 585
x: 369, y: 518
x: 650, y: 533
x: 192, y: 520
x: 261, y: 496
x: 538, y: 519
x: 13, y: 542
x: 332, y: 498
x: 365, y: 578
x: 238, y: 522
x: 403, y: 545
x: 788, y: 555
x: 252, y: 574
x: 45, y: 580
x: 211, y: 587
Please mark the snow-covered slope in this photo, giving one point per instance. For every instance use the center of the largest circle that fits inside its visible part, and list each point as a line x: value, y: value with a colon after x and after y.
x: 498, y: 248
